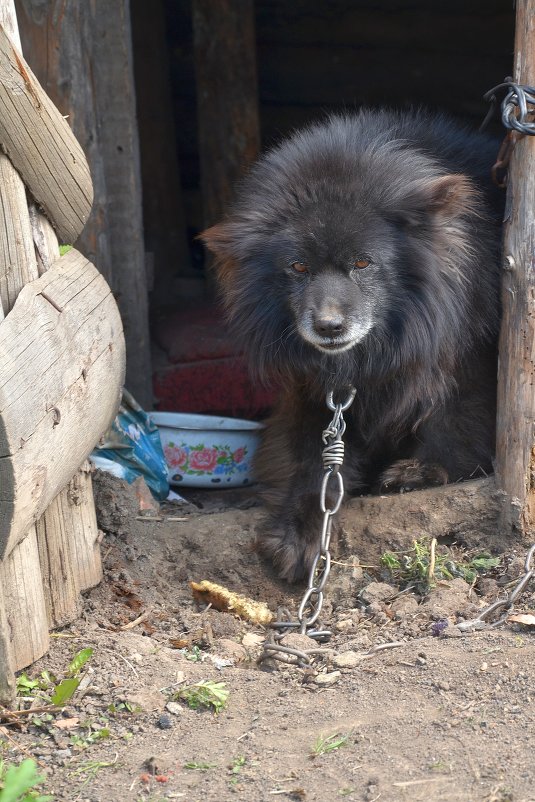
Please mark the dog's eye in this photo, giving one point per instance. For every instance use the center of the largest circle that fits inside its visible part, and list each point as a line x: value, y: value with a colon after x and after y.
x: 360, y: 264
x: 299, y: 267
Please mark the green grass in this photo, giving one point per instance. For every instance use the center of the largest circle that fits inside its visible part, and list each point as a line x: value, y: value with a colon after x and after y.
x: 323, y: 746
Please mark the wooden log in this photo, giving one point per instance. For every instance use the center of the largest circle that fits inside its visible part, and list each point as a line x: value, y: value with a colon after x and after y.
x: 515, y: 458
x: 23, y: 625
x: 61, y: 364
x: 227, y: 96
x: 41, y: 145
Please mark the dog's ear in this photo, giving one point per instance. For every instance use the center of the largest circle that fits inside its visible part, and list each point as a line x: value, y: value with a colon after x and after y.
x: 444, y: 199
x: 450, y: 195
x: 218, y: 239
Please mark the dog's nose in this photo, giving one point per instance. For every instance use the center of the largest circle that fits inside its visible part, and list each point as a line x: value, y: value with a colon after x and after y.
x: 329, y: 325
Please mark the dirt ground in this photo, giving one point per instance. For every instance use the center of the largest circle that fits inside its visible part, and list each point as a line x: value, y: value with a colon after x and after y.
x: 444, y: 716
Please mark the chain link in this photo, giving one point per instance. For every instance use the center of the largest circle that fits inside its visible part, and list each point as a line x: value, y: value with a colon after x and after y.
x: 502, y: 604
x: 312, y: 601
x: 518, y: 106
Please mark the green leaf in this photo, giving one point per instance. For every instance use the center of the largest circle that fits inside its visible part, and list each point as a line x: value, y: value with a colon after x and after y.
x: 63, y: 692
x: 19, y: 780
x: 63, y: 249
x: 79, y: 661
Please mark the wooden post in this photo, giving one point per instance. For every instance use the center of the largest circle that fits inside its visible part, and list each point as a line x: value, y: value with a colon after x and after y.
x: 515, y: 447
x: 227, y: 97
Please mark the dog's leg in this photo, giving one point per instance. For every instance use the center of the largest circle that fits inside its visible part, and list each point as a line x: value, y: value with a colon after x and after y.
x: 289, y: 465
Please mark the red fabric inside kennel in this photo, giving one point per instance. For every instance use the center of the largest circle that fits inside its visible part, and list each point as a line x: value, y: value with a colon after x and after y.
x: 198, y: 368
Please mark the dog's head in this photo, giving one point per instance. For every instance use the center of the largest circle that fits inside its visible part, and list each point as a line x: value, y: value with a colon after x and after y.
x: 333, y: 249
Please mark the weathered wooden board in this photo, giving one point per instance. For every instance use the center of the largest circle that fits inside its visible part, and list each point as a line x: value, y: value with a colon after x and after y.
x: 61, y: 360
x: 41, y: 145
x: 81, y: 54
x: 227, y: 98
x: 25, y: 608
x: 515, y: 436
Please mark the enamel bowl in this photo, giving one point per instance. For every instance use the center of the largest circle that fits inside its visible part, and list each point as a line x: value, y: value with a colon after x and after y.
x: 207, y: 451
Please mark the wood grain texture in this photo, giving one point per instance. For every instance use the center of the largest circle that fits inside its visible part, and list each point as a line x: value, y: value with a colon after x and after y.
x: 41, y: 146
x: 27, y: 624
x: 67, y: 532
x: 515, y: 464
x: 81, y: 53
x: 227, y: 96
x: 61, y: 374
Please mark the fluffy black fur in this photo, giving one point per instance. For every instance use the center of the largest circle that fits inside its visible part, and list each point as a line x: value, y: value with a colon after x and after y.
x: 364, y: 251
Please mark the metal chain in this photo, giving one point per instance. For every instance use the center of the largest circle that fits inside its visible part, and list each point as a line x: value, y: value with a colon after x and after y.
x: 518, y: 115
x: 502, y: 604
x: 312, y: 601
x: 518, y: 107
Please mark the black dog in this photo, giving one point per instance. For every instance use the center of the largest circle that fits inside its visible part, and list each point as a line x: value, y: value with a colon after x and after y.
x: 364, y: 251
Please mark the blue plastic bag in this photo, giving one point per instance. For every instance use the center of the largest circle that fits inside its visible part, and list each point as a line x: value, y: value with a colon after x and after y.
x: 132, y: 448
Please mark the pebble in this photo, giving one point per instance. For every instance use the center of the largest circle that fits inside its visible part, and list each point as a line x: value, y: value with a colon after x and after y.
x: 483, y: 666
x: 346, y: 660
x: 443, y: 685
x: 377, y: 591
x: 175, y: 708
x: 324, y: 680
x: 165, y: 722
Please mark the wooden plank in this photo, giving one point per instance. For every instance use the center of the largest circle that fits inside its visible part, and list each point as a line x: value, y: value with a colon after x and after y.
x: 112, y: 72
x: 225, y: 66
x: 65, y: 43
x: 67, y: 532
x: 25, y: 602
x: 57, y: 40
x: 41, y: 145
x: 61, y: 363
x: 515, y: 457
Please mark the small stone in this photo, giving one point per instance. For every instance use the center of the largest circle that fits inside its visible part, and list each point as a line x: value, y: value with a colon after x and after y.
x: 404, y: 606
x: 230, y: 650
x: 442, y: 685
x: 483, y: 666
x: 421, y: 661
x: 165, y: 722
x: 297, y: 641
x: 377, y: 591
x: 324, y: 680
x: 346, y: 660
x: 344, y: 625
x: 174, y: 708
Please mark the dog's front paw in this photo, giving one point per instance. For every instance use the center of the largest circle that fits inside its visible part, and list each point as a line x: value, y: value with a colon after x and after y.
x: 411, y: 474
x: 291, y: 552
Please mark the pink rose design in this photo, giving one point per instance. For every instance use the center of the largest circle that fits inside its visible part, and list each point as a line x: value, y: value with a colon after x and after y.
x: 176, y: 457
x: 204, y: 460
x: 239, y: 455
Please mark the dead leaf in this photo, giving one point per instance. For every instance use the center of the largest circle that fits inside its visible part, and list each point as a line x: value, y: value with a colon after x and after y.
x: 66, y: 723
x: 528, y: 619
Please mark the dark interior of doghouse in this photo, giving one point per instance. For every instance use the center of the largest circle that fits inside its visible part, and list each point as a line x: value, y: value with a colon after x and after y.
x: 313, y: 57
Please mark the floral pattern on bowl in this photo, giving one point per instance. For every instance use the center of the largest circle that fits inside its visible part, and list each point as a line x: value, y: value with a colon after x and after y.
x: 200, y: 460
